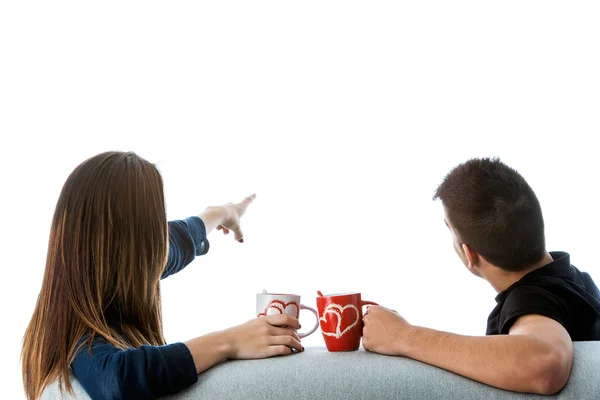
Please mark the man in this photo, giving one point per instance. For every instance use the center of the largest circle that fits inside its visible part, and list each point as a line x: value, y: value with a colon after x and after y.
x: 544, y: 303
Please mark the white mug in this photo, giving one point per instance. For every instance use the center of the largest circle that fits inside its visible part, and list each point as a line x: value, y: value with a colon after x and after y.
x: 275, y: 303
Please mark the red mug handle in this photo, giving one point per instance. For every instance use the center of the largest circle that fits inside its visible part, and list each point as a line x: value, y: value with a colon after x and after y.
x: 368, y: 303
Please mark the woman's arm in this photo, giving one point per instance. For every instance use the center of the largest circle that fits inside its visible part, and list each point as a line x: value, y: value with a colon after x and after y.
x: 147, y: 372
x: 262, y: 337
x: 187, y: 239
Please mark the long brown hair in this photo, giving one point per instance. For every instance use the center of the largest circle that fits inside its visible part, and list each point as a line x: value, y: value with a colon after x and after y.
x: 107, y: 250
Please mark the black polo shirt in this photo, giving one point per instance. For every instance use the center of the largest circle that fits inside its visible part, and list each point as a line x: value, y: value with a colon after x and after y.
x: 558, y: 291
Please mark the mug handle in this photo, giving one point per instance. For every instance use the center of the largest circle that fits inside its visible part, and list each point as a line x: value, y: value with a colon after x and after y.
x: 303, y: 307
x: 367, y: 303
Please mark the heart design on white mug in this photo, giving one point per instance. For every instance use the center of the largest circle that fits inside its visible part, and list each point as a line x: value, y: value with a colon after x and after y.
x: 280, y: 306
x: 338, y: 311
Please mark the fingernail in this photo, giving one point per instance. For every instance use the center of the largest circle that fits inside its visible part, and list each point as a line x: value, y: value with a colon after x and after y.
x: 302, y: 348
x: 241, y: 240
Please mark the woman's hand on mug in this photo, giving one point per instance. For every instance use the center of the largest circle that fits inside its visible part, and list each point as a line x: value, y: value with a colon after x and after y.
x: 227, y: 217
x: 263, y: 337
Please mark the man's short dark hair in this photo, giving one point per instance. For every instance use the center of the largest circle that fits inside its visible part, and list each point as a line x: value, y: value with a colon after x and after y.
x: 494, y: 210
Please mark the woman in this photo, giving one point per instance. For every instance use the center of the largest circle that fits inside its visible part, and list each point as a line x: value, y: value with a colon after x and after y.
x: 99, y: 310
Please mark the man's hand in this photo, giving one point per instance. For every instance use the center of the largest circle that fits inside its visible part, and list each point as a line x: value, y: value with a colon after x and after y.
x: 384, y: 331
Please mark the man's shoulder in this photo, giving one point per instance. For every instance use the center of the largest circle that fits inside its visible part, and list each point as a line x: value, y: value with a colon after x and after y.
x: 589, y: 283
x: 567, y: 301
x: 532, y: 295
x: 526, y: 299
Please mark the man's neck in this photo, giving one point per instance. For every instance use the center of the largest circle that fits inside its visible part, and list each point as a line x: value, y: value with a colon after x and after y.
x: 502, y: 280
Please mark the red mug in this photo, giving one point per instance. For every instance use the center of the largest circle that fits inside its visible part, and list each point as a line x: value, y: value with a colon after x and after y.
x: 340, y: 318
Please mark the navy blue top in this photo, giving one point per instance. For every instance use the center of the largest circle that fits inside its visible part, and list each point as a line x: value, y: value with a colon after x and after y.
x: 147, y: 372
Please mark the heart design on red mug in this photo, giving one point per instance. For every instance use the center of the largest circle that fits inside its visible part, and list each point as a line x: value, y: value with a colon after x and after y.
x: 342, y: 315
x: 280, y: 307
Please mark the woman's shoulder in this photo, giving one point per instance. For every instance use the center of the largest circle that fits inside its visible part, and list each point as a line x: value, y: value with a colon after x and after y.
x: 97, y: 346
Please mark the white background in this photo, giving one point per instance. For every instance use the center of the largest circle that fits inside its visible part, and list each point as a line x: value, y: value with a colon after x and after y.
x: 343, y: 117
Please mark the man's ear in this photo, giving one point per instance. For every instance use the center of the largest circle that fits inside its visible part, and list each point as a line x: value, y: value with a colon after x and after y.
x: 472, y: 256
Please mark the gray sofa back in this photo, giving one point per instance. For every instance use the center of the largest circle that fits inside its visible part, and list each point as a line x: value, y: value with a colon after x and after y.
x: 318, y: 374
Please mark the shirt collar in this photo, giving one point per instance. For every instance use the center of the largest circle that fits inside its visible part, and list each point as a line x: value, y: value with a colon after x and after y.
x: 560, y: 266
